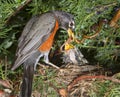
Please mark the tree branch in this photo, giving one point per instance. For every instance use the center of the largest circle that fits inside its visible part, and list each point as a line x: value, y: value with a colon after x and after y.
x: 17, y: 11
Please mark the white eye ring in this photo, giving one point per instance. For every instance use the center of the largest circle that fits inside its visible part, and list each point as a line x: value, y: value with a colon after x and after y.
x: 72, y: 24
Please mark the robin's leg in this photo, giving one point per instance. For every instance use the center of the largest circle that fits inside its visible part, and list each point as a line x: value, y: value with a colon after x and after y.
x: 46, y: 59
x: 37, y: 61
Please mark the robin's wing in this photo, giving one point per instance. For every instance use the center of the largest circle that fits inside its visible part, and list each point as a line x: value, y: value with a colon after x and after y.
x: 34, y: 34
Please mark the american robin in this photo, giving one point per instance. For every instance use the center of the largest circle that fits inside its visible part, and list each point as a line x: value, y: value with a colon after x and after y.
x: 36, y: 41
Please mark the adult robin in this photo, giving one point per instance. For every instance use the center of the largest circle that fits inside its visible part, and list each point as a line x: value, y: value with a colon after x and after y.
x: 36, y: 41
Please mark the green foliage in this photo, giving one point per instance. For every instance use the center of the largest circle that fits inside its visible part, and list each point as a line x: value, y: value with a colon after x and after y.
x: 115, y: 92
x: 5, y: 72
x: 40, y: 6
x: 7, y: 32
x: 7, y: 7
x: 105, y: 89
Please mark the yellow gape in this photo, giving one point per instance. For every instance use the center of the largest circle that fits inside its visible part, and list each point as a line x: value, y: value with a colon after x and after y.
x: 68, y: 46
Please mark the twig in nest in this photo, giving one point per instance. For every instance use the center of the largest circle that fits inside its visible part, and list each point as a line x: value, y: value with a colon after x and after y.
x: 17, y: 11
x: 91, y: 77
x: 5, y: 83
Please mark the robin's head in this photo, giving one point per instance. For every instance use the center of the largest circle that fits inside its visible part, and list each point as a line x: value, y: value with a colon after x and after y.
x: 66, y: 21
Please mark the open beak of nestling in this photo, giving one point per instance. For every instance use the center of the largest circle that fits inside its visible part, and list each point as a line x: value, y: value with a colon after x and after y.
x: 70, y: 33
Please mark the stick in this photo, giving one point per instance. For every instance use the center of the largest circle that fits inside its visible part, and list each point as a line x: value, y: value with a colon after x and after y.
x: 91, y: 77
x: 17, y: 11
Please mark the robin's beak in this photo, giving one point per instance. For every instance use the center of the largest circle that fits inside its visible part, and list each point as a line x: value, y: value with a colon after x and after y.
x: 71, y: 33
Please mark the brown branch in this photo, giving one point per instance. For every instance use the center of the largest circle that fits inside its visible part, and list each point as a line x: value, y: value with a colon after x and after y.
x: 17, y: 11
x: 99, y: 26
x: 70, y: 86
x: 114, y: 20
x: 97, y: 32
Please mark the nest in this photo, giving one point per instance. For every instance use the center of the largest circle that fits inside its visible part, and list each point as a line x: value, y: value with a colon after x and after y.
x: 72, y: 71
x: 63, y: 77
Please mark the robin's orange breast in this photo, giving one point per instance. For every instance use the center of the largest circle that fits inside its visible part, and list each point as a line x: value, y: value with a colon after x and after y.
x: 46, y: 46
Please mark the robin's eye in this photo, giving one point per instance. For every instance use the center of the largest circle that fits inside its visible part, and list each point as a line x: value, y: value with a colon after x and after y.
x: 72, y: 24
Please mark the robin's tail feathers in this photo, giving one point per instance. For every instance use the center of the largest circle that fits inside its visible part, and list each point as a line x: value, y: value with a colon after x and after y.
x: 26, y: 87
